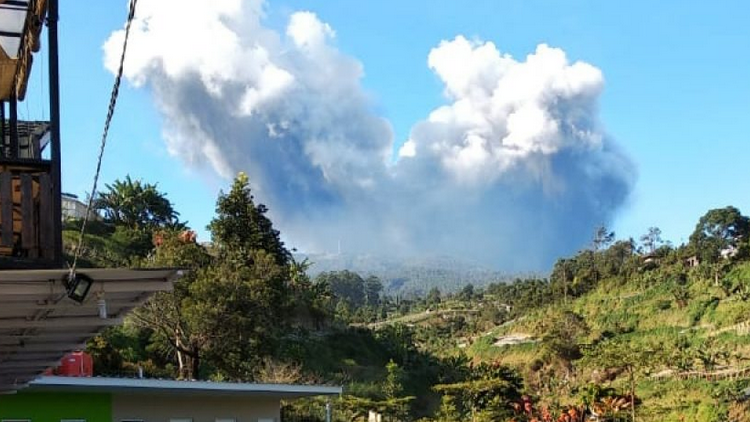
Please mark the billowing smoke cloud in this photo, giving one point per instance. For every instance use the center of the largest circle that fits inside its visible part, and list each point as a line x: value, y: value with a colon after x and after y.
x: 513, y: 171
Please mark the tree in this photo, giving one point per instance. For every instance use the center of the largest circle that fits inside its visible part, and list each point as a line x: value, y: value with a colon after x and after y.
x: 467, y: 293
x: 133, y: 212
x: 433, y: 296
x: 560, y: 332
x: 231, y: 306
x: 393, y: 385
x: 308, y: 303
x: 136, y: 205
x: 618, y: 258
x: 398, y: 339
x: 651, y: 240
x: 602, y: 238
x: 586, y: 272
x: 448, y: 411
x: 169, y: 314
x: 241, y: 225
x: 634, y: 360
x: 563, y: 273
x: 226, y: 312
x: 719, y: 229
x: 372, y: 289
x: 487, y: 391
x: 346, y: 286
x: 238, y: 311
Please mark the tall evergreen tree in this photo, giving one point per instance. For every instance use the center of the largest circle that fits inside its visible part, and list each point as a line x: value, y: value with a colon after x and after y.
x: 241, y: 225
x: 226, y: 314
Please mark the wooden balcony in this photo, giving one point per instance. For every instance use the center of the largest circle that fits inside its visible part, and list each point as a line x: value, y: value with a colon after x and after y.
x: 30, y: 178
x: 27, y: 198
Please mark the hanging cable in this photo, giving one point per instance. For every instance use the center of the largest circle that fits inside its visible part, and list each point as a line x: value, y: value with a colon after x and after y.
x: 107, y: 121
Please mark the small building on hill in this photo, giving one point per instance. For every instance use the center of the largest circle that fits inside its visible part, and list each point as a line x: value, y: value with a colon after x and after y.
x: 94, y: 399
x: 73, y: 208
x: 692, y: 261
x: 651, y: 259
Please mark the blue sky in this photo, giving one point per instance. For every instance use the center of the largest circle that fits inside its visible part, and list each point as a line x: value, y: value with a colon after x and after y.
x: 676, y: 98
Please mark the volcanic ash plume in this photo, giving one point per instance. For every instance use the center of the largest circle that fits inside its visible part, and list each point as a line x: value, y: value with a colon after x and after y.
x: 513, y: 171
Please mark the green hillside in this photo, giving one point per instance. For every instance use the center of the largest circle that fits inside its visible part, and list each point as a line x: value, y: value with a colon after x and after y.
x: 621, y: 331
x: 691, y: 359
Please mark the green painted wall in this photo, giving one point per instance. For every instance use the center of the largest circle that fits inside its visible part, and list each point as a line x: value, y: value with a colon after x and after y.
x: 53, y: 407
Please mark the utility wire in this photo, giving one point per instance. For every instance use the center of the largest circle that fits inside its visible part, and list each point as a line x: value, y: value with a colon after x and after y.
x: 107, y: 121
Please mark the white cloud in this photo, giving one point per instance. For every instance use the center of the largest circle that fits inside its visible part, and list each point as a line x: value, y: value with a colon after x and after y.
x: 506, y: 112
x: 306, y: 30
x: 408, y: 149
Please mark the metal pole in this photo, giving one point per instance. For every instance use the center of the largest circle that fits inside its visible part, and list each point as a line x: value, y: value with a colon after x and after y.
x: 54, y: 108
x: 328, y: 410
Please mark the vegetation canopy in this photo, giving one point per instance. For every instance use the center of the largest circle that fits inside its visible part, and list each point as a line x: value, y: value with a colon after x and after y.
x: 624, y: 330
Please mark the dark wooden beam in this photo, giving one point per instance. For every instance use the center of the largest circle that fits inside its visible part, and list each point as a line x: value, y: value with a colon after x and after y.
x: 13, y: 120
x: 2, y: 129
x: 16, y: 263
x: 17, y: 3
x: 6, y: 209
x: 54, y: 107
x: 10, y: 34
x: 27, y: 165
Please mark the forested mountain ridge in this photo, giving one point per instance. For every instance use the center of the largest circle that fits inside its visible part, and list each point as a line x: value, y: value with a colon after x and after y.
x: 409, y: 276
x: 623, y: 330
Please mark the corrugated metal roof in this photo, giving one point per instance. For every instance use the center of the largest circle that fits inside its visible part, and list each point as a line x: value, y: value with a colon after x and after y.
x: 39, y: 324
x: 139, y: 385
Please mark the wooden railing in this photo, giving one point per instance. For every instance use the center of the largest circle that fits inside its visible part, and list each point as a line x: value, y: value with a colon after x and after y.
x: 26, y: 216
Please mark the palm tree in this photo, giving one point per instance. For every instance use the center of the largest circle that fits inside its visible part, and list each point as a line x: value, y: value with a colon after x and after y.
x: 136, y: 205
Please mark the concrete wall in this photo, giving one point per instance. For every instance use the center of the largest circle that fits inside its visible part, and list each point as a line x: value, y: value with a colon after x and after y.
x: 162, y: 408
x: 54, y: 407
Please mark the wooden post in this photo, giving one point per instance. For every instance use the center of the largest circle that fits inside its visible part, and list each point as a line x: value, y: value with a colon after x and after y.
x: 46, y: 229
x: 28, y: 220
x: 13, y: 120
x: 6, y: 209
x: 54, y: 108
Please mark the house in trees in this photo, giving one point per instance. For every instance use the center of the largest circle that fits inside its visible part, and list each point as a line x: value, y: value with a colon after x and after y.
x: 692, y: 261
x: 73, y: 208
x: 94, y: 399
x: 651, y: 259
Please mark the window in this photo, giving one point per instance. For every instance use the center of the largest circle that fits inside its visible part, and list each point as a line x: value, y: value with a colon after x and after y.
x: 226, y: 420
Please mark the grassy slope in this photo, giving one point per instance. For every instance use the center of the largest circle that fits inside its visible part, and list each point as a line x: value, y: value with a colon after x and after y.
x: 648, y: 315
x: 642, y: 314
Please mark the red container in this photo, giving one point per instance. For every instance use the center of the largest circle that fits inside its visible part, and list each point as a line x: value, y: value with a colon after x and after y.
x: 76, y: 364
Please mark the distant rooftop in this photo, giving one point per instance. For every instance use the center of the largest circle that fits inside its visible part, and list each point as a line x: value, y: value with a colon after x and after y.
x: 140, y: 385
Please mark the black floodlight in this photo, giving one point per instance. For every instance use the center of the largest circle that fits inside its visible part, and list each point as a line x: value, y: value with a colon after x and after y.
x: 78, y: 286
